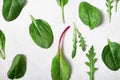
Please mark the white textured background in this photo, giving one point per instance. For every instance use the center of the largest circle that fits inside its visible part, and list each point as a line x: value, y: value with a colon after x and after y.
x: 39, y: 60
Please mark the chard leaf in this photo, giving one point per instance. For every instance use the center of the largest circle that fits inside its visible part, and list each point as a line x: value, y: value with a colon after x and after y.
x: 91, y: 63
x: 18, y: 67
x: 41, y: 33
x: 12, y: 8
x: 111, y: 55
x: 2, y: 45
x: 60, y: 69
x: 89, y: 15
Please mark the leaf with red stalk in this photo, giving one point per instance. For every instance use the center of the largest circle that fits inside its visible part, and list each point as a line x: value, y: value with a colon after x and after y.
x: 60, y: 69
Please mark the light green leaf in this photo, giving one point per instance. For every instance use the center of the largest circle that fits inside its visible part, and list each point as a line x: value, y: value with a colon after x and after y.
x: 89, y: 15
x: 60, y: 69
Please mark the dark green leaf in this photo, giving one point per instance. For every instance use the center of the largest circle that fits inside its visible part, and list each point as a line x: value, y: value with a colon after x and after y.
x: 18, y: 67
x: 91, y: 63
x: 60, y: 69
x: 111, y: 55
x: 41, y: 33
x: 12, y: 8
x: 116, y: 4
x: 89, y: 15
x: 2, y: 45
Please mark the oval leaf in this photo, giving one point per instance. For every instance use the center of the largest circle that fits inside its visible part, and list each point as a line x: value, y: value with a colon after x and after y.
x: 12, y: 8
x: 2, y: 45
x: 89, y: 15
x: 41, y: 33
x: 18, y: 67
x: 111, y: 55
x: 60, y: 69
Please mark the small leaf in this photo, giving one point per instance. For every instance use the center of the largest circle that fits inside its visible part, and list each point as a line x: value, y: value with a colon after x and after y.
x: 89, y: 15
x: 41, y: 33
x: 12, y: 8
x: 2, y: 45
x: 91, y: 63
x: 62, y: 3
x: 18, y: 67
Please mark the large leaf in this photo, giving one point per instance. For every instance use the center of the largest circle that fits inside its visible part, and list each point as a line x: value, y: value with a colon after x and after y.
x: 2, y: 45
x: 18, y: 67
x: 111, y: 55
x: 12, y: 8
x: 89, y: 15
x: 60, y: 69
x: 41, y: 33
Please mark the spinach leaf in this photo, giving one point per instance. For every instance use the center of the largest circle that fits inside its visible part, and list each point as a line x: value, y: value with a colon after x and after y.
x: 62, y: 3
x: 2, y: 45
x: 60, y: 69
x: 41, y: 33
x: 12, y: 8
x: 89, y: 15
x: 111, y: 55
x: 18, y: 67
x: 91, y: 63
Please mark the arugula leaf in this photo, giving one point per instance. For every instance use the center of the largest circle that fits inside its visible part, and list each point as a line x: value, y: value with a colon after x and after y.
x: 91, y: 63
x: 2, y: 45
x: 60, y: 69
x: 81, y: 41
x: 74, y: 43
x: 109, y: 8
x: 116, y: 4
x: 62, y: 3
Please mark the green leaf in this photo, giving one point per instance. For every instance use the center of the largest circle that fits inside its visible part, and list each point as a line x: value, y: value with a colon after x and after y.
x: 109, y: 8
x: 18, y: 67
x: 62, y: 3
x: 2, y: 45
x: 89, y: 15
x: 41, y: 33
x: 116, y: 4
x: 91, y: 63
x: 12, y: 8
x: 60, y: 69
x: 111, y: 55
x: 74, y: 43
x: 81, y: 41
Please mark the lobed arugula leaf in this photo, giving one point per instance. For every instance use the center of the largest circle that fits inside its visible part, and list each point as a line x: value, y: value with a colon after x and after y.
x: 91, y: 63
x: 109, y: 8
